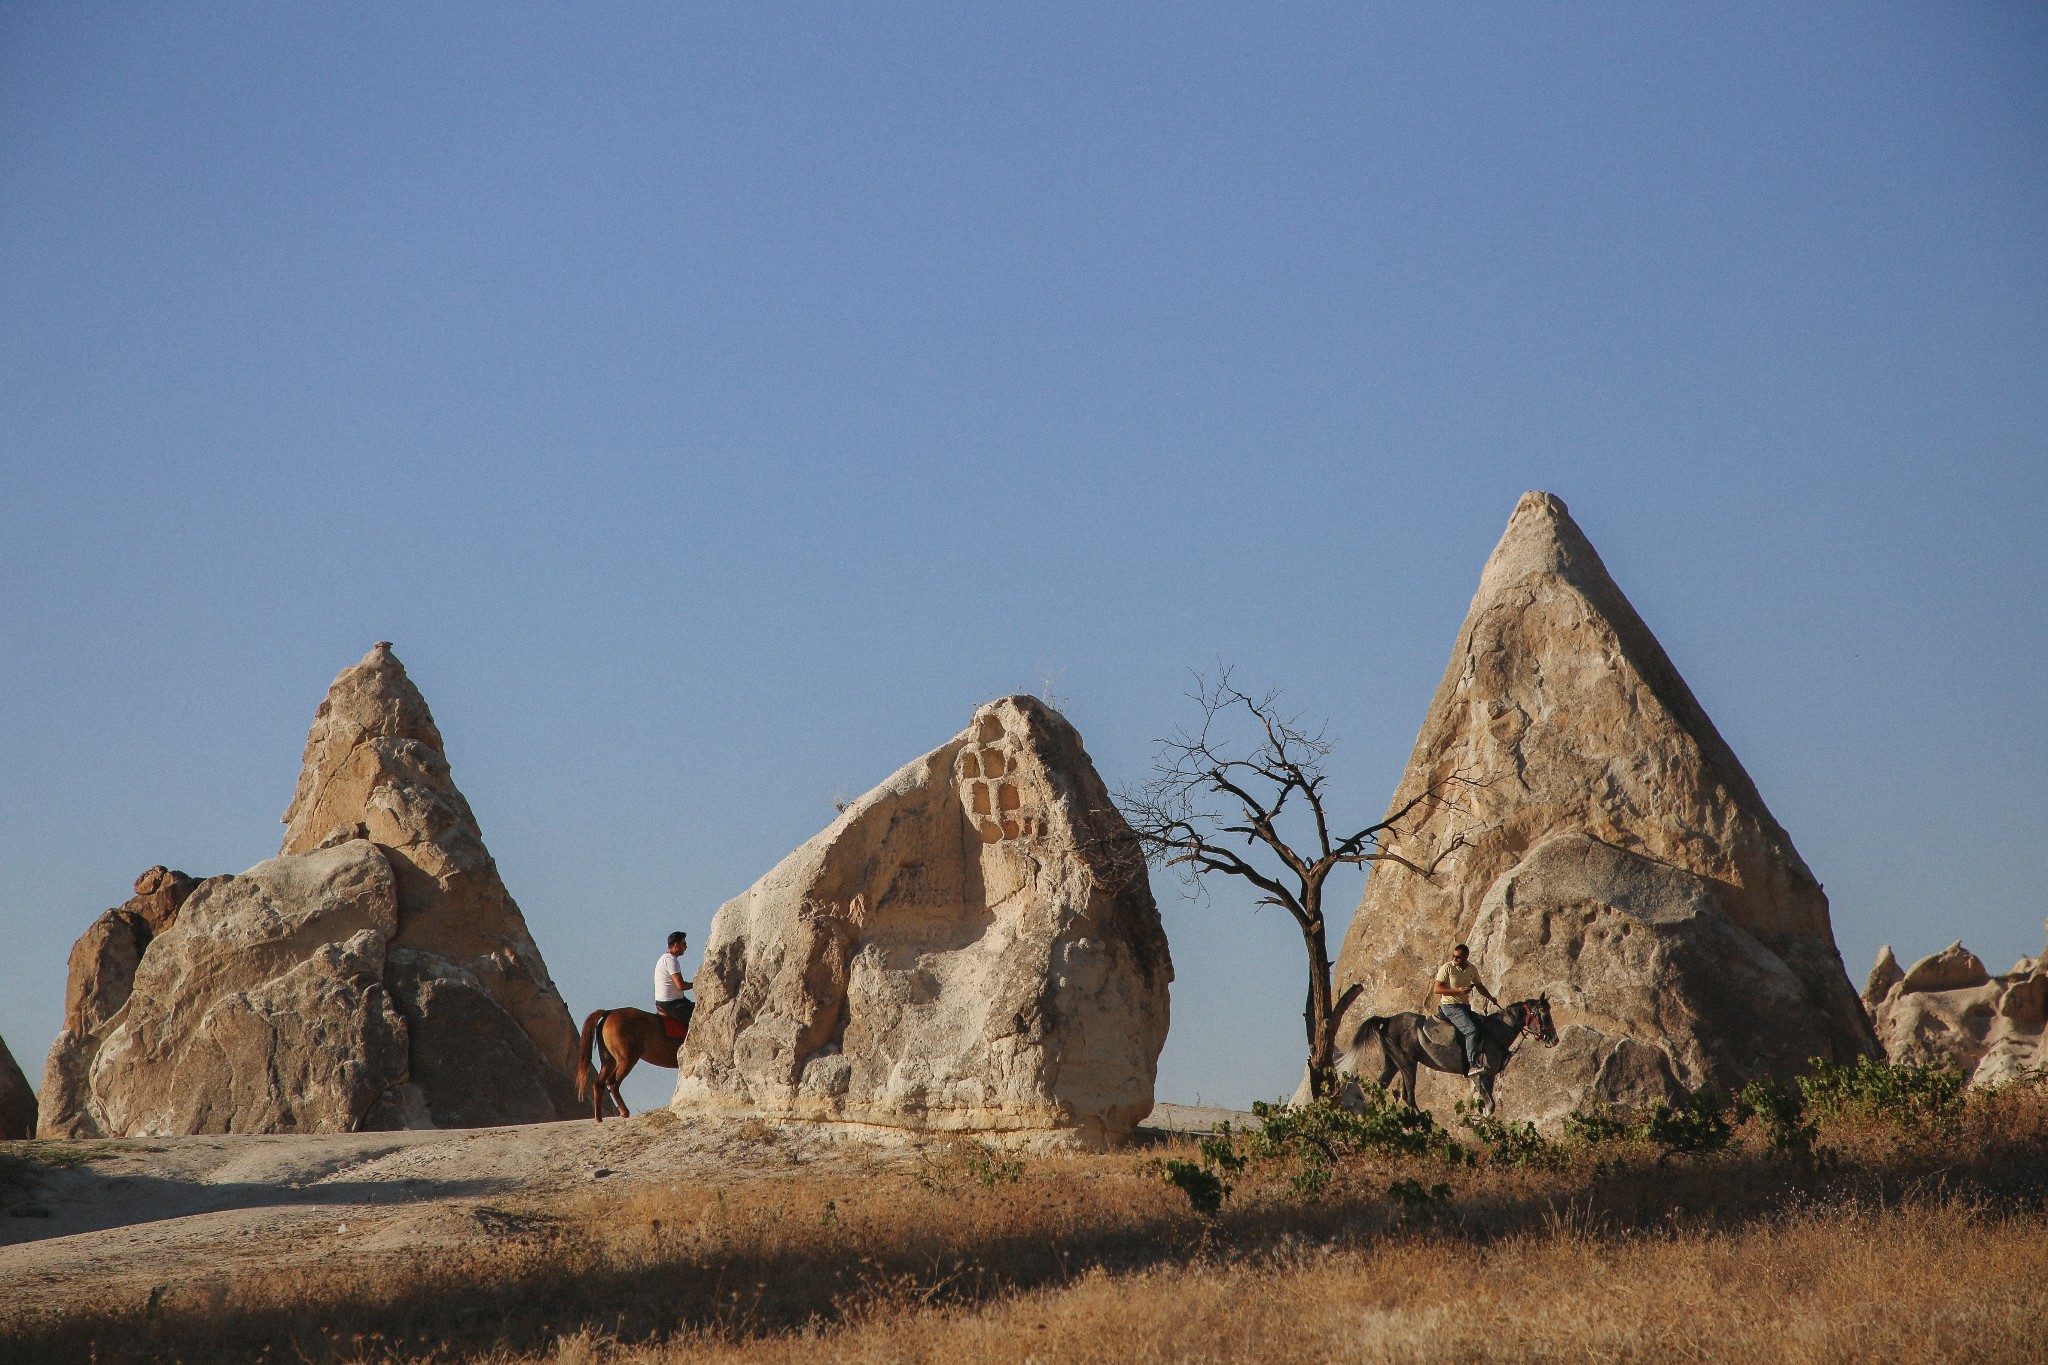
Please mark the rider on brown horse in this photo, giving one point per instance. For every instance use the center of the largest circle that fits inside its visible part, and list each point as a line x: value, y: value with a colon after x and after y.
x: 669, y: 984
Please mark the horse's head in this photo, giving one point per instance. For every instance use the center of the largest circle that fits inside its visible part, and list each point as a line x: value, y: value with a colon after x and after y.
x: 1536, y: 1020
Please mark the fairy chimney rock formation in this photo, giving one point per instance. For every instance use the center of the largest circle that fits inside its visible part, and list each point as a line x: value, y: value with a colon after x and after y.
x: 375, y: 974
x: 1615, y: 854
x: 972, y: 946
x: 1948, y: 1010
x: 17, y: 1101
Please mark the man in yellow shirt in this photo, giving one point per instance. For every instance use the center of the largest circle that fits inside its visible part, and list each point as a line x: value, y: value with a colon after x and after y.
x: 1455, y: 982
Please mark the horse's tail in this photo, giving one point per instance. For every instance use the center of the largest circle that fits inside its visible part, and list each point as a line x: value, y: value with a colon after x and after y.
x: 592, y: 1027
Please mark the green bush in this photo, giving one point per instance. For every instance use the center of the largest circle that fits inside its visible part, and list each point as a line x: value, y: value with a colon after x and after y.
x: 1415, y: 1205
x: 1314, y: 1135
x: 1697, y: 1123
x: 1780, y: 1110
x: 1508, y: 1144
x: 1598, y: 1124
x: 1203, y: 1187
x: 1913, y: 1098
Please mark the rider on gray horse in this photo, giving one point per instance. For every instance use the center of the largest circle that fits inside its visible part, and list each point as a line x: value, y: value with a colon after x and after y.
x: 1455, y: 982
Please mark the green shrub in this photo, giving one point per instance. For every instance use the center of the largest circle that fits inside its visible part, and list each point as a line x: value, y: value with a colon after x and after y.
x: 1314, y: 1135
x: 1697, y: 1123
x: 1780, y: 1110
x: 1508, y: 1144
x: 1203, y: 1187
x: 1598, y: 1124
x: 1913, y: 1098
x: 1415, y: 1205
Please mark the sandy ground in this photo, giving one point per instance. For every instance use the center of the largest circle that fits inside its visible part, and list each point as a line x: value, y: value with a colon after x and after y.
x: 122, y: 1219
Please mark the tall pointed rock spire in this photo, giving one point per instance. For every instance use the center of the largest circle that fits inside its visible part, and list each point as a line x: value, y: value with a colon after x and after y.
x: 374, y: 768
x: 1566, y: 720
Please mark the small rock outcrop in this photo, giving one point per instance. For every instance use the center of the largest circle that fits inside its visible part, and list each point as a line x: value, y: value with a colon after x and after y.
x: 375, y: 974
x: 972, y: 946
x: 1947, y: 1009
x: 1609, y: 850
x: 101, y: 975
x: 17, y: 1100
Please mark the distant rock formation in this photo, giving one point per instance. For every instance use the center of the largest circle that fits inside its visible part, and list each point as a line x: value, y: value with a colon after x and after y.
x: 1616, y: 854
x: 972, y: 946
x: 17, y: 1101
x: 1948, y: 1010
x: 374, y: 975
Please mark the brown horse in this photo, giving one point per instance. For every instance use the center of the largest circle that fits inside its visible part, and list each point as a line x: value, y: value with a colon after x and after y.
x: 624, y: 1037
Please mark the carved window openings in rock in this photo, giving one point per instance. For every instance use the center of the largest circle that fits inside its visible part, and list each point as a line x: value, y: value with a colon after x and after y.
x: 992, y: 787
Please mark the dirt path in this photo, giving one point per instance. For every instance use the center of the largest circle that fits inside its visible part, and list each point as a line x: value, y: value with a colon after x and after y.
x: 118, y: 1220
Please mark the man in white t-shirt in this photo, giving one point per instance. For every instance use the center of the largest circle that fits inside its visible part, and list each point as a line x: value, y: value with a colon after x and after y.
x: 1452, y: 990
x: 669, y: 984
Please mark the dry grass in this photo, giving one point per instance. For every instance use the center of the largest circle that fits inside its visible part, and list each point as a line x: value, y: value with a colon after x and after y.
x: 1891, y: 1247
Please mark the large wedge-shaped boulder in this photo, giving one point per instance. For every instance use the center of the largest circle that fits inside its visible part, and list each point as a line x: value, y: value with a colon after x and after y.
x: 17, y: 1101
x: 972, y: 946
x: 262, y: 1009
x: 1947, y: 1010
x: 1560, y: 715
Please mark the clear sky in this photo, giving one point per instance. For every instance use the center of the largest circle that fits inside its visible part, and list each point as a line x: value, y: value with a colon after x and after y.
x: 715, y: 403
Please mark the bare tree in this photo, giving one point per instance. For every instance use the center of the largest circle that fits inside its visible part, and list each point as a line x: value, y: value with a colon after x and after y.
x: 1208, y: 795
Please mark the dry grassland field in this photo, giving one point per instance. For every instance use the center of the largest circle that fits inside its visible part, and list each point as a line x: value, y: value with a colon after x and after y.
x: 1881, y: 1230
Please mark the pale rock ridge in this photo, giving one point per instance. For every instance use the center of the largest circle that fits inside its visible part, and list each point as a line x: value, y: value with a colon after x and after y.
x: 1563, y: 710
x: 1948, y: 1010
x: 972, y: 946
x: 17, y: 1100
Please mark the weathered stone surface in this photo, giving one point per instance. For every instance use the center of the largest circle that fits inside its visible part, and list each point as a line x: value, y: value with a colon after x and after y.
x: 971, y: 946
x: 1564, y: 711
x: 102, y: 973
x: 159, y: 893
x: 374, y: 766
x: 1884, y: 974
x: 262, y: 1009
x: 374, y: 975
x: 1947, y: 1010
x: 17, y: 1100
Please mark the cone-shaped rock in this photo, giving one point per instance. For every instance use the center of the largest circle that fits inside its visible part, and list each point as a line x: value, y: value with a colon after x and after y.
x: 373, y: 975
x: 491, y: 1039
x: 17, y: 1101
x: 1617, y: 854
x: 972, y: 946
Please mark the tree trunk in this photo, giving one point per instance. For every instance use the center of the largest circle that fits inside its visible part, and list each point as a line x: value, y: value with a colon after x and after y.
x: 1322, y: 1041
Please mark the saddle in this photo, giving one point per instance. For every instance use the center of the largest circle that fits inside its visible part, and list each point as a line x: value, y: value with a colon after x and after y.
x: 674, y: 1028
x: 1439, y: 1033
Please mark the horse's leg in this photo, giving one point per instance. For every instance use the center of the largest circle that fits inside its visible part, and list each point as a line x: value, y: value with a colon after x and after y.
x: 1408, y: 1084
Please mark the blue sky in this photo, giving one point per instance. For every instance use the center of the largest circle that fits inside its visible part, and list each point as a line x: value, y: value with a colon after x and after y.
x: 715, y: 406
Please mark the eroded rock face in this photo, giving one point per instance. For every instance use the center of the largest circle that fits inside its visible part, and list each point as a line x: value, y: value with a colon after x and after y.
x: 263, y: 1008
x: 17, y: 1100
x: 374, y: 767
x: 1947, y: 1010
x: 972, y: 946
x: 374, y: 975
x: 1567, y: 719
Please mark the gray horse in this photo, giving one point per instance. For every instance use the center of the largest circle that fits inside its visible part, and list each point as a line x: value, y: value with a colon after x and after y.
x: 1409, y: 1040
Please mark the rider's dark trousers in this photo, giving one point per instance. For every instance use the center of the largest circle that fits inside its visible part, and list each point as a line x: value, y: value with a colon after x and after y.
x: 679, y: 1010
x: 1460, y: 1018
